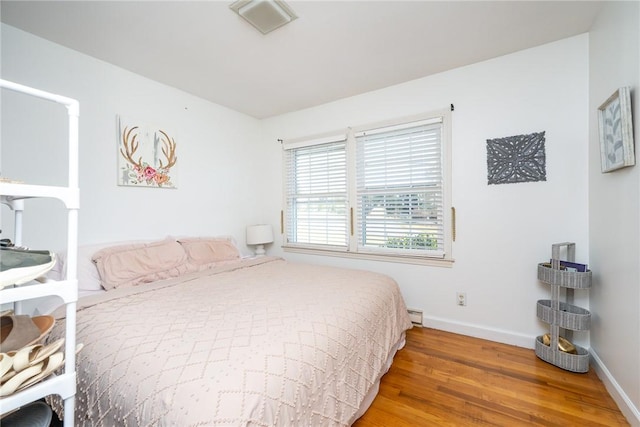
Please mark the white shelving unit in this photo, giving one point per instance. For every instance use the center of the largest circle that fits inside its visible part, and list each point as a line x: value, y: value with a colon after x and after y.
x: 14, y: 196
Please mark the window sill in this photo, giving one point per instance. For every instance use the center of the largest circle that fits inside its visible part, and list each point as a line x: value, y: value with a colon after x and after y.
x: 434, y: 262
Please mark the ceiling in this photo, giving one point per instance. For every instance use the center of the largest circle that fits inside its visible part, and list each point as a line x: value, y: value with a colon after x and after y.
x: 335, y: 49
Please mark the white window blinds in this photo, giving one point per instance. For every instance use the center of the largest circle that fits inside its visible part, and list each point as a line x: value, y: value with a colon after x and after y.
x: 316, y: 194
x: 399, y: 189
x: 378, y: 191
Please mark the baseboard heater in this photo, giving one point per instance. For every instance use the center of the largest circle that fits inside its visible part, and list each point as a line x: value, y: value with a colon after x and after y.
x: 415, y: 316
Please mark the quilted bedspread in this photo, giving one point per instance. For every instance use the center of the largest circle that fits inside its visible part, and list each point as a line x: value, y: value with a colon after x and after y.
x: 262, y: 342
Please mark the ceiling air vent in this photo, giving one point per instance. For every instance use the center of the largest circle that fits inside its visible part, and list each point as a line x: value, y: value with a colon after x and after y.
x: 265, y: 15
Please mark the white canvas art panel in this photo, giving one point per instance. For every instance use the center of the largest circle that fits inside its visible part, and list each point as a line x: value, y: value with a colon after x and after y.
x: 616, y: 131
x: 147, y: 155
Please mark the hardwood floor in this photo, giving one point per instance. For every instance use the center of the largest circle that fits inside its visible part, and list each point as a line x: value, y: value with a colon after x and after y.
x: 444, y: 379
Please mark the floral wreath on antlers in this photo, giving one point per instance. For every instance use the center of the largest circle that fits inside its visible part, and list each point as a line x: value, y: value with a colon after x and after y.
x: 140, y: 171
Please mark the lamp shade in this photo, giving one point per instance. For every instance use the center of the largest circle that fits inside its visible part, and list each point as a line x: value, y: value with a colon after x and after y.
x: 259, y: 234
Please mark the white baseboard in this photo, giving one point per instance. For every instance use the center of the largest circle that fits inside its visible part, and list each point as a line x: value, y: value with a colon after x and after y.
x: 492, y: 334
x: 628, y: 409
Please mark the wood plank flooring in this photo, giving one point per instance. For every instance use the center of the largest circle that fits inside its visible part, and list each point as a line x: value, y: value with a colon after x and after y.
x: 445, y: 379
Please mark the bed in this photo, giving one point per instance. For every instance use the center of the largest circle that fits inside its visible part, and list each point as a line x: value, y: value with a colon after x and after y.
x: 215, y: 339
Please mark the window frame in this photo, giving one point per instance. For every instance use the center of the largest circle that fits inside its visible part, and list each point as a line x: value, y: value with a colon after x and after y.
x: 351, y: 250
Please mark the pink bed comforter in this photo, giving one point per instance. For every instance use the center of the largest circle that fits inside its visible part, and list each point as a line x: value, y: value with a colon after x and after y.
x: 262, y: 342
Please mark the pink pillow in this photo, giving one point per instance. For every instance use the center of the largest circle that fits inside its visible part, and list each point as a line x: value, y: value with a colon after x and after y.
x: 129, y: 265
x: 88, y: 276
x: 205, y: 252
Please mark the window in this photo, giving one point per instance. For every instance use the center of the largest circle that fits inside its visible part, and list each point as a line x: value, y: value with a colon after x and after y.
x: 376, y: 191
x: 317, y: 201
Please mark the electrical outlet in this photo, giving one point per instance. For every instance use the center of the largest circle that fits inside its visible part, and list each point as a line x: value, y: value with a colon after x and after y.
x: 461, y: 298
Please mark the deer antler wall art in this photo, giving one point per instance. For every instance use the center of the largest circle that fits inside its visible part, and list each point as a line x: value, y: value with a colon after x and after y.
x: 146, y: 156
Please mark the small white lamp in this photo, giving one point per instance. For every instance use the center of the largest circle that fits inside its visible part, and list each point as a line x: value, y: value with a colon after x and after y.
x: 259, y: 235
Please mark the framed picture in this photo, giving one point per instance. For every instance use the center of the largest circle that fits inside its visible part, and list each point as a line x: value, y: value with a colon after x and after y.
x: 146, y: 155
x: 616, y: 132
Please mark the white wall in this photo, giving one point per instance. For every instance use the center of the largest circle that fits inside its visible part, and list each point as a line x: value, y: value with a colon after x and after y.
x: 503, y: 231
x: 614, y: 208
x: 216, y: 148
